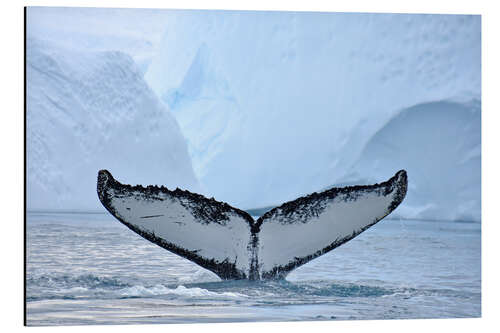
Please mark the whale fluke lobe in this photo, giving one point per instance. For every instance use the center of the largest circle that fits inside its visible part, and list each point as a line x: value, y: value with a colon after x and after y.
x: 230, y: 243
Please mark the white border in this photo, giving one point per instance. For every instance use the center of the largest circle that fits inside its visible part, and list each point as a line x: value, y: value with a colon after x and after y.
x: 12, y: 162
x: 380, y: 6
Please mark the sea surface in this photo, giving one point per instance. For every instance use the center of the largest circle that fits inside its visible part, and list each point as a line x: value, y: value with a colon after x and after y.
x: 85, y: 268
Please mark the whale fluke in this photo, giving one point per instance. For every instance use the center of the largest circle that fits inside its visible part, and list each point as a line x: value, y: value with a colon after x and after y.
x: 230, y: 243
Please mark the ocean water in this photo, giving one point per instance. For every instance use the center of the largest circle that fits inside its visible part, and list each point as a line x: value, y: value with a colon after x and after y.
x: 87, y: 268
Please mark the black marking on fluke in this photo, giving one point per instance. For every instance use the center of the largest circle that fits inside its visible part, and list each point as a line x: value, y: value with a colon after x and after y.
x: 207, y: 211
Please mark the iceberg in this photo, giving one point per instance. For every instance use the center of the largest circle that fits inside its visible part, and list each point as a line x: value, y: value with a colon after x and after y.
x: 254, y: 108
x: 279, y: 104
x: 89, y: 110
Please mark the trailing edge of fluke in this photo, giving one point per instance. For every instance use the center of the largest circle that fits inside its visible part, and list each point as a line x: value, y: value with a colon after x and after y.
x: 230, y: 243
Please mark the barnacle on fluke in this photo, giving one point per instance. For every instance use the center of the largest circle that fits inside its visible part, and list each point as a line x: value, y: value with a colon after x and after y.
x: 230, y: 243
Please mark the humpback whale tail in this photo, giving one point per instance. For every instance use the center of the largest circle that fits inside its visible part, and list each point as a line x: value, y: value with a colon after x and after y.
x: 230, y: 243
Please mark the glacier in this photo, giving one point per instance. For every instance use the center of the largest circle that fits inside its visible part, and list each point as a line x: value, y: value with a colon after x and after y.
x: 255, y: 108
x: 88, y: 110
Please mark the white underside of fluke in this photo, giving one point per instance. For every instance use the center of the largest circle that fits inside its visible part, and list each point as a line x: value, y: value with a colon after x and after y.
x: 231, y: 243
x: 279, y: 242
x: 168, y: 219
